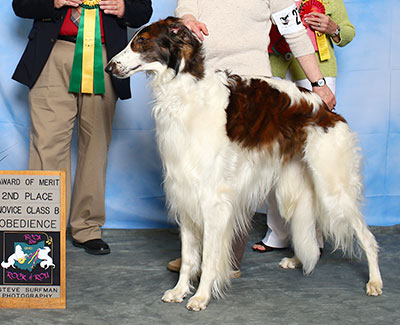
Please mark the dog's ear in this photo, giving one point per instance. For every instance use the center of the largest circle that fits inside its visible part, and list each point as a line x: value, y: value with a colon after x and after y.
x: 180, y: 33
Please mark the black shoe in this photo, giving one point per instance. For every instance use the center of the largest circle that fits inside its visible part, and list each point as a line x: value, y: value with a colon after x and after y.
x: 94, y: 246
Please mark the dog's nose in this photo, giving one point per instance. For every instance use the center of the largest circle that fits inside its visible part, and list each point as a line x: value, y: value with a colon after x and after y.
x: 110, y: 67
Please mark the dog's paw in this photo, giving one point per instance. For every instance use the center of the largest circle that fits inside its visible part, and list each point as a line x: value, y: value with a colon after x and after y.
x: 173, y: 295
x: 290, y: 263
x: 374, y: 288
x: 197, y: 303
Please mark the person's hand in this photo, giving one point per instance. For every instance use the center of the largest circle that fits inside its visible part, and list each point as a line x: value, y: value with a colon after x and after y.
x: 326, y: 95
x: 195, y: 26
x: 61, y: 3
x: 321, y: 23
x: 113, y: 7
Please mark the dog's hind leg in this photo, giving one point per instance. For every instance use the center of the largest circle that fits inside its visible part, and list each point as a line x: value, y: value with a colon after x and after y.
x: 191, y: 248
x: 369, y: 245
x: 216, y: 263
x: 335, y: 164
x: 345, y: 222
x: 295, y: 197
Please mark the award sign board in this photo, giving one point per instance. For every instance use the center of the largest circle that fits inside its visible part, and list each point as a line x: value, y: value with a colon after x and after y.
x: 32, y: 239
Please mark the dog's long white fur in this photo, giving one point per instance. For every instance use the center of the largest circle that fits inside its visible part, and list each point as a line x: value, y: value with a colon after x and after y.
x: 213, y: 184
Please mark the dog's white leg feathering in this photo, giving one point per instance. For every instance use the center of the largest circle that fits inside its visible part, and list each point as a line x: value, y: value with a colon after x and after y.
x: 216, y: 263
x: 191, y: 255
x: 335, y: 163
x: 369, y: 245
x: 295, y: 197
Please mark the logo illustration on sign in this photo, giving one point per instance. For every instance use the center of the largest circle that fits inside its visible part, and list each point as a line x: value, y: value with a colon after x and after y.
x: 27, y: 256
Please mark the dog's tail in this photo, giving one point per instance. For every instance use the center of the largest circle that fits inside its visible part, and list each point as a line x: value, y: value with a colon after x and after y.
x: 333, y: 156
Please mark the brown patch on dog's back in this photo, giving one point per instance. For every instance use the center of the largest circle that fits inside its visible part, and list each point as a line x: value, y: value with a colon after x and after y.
x: 259, y: 115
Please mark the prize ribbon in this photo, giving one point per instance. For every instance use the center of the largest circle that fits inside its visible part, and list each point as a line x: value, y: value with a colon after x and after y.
x: 87, y: 74
x: 310, y: 6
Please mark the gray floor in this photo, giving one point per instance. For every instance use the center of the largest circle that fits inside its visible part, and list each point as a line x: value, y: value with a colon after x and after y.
x: 125, y: 287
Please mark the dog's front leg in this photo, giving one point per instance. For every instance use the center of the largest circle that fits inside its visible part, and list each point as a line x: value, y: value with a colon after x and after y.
x: 190, y: 238
x: 216, y: 263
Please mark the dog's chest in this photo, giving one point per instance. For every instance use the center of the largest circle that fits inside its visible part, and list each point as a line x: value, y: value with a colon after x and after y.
x: 190, y: 141
x: 191, y: 130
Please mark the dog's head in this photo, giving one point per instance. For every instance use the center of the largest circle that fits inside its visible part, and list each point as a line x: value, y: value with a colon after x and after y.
x: 166, y: 44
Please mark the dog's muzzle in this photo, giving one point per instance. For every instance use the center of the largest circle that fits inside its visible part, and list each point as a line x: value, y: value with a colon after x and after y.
x: 115, y: 69
x: 111, y: 68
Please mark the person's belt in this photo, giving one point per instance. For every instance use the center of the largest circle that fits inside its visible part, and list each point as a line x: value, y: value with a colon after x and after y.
x: 67, y: 38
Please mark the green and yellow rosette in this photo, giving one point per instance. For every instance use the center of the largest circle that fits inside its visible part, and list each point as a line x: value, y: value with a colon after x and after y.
x: 309, y: 6
x: 87, y: 74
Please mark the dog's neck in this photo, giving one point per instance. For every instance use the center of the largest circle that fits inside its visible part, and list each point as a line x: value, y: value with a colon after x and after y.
x: 187, y: 56
x: 194, y: 65
x: 179, y: 68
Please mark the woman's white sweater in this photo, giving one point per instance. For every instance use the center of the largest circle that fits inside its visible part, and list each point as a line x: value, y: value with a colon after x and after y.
x: 239, y: 33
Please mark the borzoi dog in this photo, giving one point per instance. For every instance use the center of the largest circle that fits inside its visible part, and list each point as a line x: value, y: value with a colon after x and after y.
x: 225, y: 141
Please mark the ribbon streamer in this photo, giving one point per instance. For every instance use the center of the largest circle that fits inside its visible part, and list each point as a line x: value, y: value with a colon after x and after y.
x: 87, y: 74
x: 323, y: 49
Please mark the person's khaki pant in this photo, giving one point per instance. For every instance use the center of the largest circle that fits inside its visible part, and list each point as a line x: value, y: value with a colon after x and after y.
x: 53, y: 114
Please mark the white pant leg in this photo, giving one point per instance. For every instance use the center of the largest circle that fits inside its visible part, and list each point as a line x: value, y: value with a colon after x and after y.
x: 278, y: 233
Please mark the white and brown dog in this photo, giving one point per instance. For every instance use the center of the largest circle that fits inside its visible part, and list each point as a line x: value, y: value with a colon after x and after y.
x: 226, y: 141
